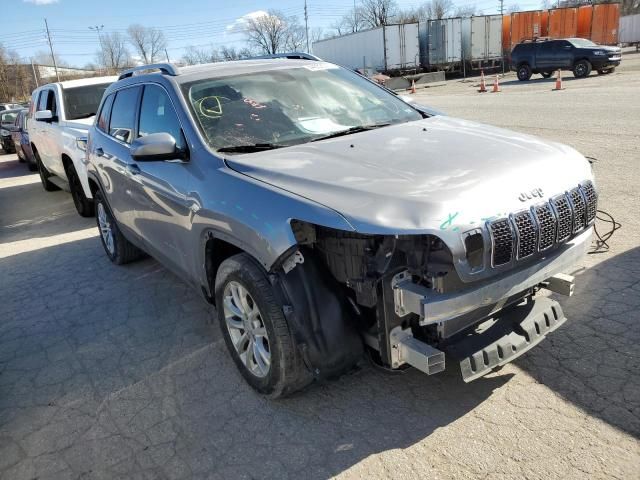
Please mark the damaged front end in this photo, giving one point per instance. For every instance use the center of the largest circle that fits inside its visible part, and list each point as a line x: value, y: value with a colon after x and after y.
x: 406, y: 299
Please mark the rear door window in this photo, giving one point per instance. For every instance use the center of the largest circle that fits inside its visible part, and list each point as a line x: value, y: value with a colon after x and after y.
x: 123, y: 114
x: 52, y: 103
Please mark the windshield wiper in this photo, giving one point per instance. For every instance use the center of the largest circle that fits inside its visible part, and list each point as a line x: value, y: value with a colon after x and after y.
x: 349, y: 131
x: 86, y: 115
x: 255, y: 147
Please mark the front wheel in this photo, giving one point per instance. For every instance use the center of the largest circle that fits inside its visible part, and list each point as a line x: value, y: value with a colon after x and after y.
x: 116, y: 246
x: 524, y: 72
x: 582, y: 69
x: 255, y: 330
x: 83, y: 205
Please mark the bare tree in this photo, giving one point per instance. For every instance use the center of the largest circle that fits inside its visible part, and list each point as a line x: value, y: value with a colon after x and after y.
x: 412, y: 15
x: 436, y: 9
x: 296, y: 38
x: 378, y: 12
x: 351, y: 22
x: 43, y: 57
x: 231, y: 53
x: 316, y: 34
x: 149, y: 43
x: 195, y: 56
x: 629, y: 7
x: 113, y: 54
x: 514, y: 7
x: 272, y: 32
x: 465, y: 11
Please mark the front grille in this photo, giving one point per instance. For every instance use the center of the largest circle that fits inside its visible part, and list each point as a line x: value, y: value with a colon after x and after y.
x: 502, y: 239
x: 547, y: 225
x: 543, y: 226
x: 565, y: 217
x: 579, y: 209
x: 591, y: 197
x: 527, y: 234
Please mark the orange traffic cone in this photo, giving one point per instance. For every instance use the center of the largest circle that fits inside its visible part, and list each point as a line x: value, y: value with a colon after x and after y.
x: 413, y: 86
x: 483, y: 86
x: 559, y: 81
x: 496, y: 85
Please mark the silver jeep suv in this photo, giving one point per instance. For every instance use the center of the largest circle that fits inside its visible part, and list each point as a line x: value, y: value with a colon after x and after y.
x: 326, y: 217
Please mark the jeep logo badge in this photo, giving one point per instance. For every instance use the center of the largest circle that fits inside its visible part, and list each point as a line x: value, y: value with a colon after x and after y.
x: 536, y: 192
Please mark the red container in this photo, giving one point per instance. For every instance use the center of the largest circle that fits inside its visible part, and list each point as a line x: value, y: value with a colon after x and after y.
x: 544, y: 23
x: 525, y: 26
x: 506, y: 33
x: 563, y: 23
x: 604, y: 25
x: 585, y: 14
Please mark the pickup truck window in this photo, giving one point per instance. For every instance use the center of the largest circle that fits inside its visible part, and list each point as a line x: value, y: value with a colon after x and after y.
x: 290, y: 106
x: 83, y: 102
x: 123, y: 114
x: 42, y: 100
x: 158, y: 116
x: 52, y: 104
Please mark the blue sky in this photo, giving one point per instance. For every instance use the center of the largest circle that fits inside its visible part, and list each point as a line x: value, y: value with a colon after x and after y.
x: 185, y: 22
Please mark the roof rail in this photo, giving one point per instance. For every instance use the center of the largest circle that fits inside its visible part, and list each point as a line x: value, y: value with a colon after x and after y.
x: 290, y: 56
x: 165, y: 68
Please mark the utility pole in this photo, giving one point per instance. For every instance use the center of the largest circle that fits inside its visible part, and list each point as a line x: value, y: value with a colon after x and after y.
x: 355, y: 17
x: 167, y: 54
x: 98, y: 29
x: 502, y: 15
x: 53, y: 57
x: 35, y: 77
x: 306, y: 24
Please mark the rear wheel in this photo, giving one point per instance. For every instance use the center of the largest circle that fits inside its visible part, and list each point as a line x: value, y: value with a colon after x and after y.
x: 255, y: 329
x: 582, y: 69
x: 44, y: 174
x: 116, y: 246
x: 546, y: 74
x: 83, y: 205
x: 524, y: 72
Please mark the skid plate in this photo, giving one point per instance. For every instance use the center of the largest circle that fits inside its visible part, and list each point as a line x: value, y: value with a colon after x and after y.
x: 514, y: 333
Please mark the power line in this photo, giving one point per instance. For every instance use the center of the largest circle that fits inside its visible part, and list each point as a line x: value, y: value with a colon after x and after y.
x: 53, y: 57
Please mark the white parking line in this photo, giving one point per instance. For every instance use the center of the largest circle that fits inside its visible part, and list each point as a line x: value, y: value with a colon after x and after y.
x: 29, y: 245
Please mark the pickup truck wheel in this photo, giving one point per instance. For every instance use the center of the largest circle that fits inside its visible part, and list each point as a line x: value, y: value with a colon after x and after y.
x: 117, y: 247
x: 546, y: 74
x: 44, y: 174
x: 582, y: 69
x: 524, y: 72
x: 83, y: 205
x: 255, y: 329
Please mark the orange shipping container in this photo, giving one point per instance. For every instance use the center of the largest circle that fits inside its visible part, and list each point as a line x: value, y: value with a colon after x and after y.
x: 544, y: 23
x: 525, y: 25
x: 585, y: 13
x: 604, y: 26
x: 563, y: 22
x: 506, y: 33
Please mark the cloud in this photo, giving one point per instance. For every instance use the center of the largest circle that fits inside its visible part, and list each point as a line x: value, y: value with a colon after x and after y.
x: 41, y: 2
x: 240, y: 23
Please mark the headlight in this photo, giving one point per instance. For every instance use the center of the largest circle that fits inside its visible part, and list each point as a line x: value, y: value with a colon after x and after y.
x: 81, y: 143
x: 600, y: 52
x: 4, y: 133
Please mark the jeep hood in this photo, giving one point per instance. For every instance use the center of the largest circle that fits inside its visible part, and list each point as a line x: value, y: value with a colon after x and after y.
x: 440, y: 173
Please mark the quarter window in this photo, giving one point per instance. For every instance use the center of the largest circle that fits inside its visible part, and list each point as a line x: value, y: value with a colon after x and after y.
x: 158, y: 116
x: 103, y: 119
x: 123, y: 115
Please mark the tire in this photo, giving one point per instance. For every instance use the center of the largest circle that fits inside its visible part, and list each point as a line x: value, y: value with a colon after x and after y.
x: 524, y: 72
x: 44, y: 174
x: 83, y: 205
x: 240, y: 277
x: 546, y: 74
x: 118, y: 248
x: 21, y: 157
x: 582, y: 69
x: 33, y: 167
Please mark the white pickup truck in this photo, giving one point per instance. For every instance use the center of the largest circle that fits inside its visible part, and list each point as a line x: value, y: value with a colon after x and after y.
x: 61, y: 114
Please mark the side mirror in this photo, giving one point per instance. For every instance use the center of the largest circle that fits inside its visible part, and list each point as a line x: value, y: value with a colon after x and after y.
x: 43, y: 116
x: 154, y: 147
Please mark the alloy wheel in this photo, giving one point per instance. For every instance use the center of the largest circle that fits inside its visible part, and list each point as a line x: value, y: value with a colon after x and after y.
x: 105, y: 229
x: 247, y: 329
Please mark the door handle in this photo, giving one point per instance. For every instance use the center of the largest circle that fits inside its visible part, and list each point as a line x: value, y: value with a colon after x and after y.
x: 99, y: 152
x: 133, y: 169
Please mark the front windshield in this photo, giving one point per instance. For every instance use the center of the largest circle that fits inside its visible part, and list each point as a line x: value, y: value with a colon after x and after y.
x: 582, y: 42
x: 283, y: 107
x: 82, y: 102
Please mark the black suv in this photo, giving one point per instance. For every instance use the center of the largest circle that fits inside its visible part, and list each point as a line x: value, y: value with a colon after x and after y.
x: 576, y: 54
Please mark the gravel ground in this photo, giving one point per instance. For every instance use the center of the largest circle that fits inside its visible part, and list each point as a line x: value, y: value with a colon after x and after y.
x: 116, y: 372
